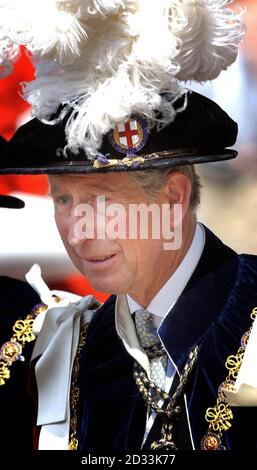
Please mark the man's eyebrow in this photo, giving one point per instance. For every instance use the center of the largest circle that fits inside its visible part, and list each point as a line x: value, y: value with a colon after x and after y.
x: 100, y: 189
x: 53, y: 189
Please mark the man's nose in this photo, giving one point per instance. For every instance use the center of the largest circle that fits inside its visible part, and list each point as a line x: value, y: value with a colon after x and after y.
x: 80, y: 230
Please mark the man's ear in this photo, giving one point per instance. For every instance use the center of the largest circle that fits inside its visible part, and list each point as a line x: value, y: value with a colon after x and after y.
x: 178, y: 190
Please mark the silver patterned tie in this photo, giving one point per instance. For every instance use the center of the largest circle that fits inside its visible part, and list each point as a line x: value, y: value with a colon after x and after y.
x: 148, y: 337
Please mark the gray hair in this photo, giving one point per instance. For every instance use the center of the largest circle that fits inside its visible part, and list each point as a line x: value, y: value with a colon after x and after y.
x: 151, y: 181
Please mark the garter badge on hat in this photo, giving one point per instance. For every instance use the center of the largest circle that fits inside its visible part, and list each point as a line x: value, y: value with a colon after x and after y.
x: 130, y: 136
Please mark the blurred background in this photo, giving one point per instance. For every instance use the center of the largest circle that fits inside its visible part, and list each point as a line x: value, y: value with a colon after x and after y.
x: 229, y: 193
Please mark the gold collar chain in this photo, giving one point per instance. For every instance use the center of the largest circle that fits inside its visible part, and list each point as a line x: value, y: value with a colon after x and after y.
x: 74, y: 392
x: 11, y: 351
x: 152, y: 394
x: 220, y: 416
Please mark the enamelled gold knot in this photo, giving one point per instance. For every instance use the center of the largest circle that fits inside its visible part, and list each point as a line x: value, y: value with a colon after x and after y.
x: 233, y: 364
x: 254, y: 313
x: 219, y: 417
x: 23, y: 331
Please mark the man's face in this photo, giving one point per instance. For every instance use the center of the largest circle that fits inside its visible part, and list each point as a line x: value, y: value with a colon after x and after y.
x: 115, y: 266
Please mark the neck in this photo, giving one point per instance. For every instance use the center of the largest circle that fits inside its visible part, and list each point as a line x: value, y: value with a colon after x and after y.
x: 169, y: 262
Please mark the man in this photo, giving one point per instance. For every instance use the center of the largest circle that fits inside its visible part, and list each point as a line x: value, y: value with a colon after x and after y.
x: 20, y: 304
x: 200, y: 295
x: 23, y: 308
x: 15, y: 352
x: 156, y: 366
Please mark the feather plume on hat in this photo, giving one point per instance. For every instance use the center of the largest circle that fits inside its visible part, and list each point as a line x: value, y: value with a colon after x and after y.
x: 103, y: 60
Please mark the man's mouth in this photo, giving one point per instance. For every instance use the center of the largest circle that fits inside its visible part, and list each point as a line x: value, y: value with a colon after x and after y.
x: 100, y: 258
x: 99, y: 261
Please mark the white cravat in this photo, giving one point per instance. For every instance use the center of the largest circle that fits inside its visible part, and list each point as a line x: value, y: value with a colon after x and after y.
x: 57, y: 345
x: 57, y: 332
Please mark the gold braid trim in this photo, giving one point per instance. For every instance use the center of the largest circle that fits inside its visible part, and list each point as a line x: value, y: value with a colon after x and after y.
x: 74, y: 393
x: 220, y: 416
x: 137, y: 160
x: 11, y: 351
x: 74, y: 389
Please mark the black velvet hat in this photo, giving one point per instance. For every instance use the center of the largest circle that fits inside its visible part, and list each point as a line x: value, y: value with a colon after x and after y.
x: 108, y: 94
x: 201, y: 133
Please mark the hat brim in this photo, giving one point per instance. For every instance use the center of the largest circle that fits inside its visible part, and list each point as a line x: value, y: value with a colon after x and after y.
x: 81, y: 167
x: 11, y: 202
x: 201, y: 133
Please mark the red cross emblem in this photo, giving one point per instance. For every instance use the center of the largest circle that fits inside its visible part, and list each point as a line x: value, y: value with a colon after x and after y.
x: 130, y: 136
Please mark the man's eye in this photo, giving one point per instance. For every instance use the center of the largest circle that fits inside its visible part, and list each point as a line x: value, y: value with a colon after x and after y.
x: 64, y: 199
x: 61, y: 203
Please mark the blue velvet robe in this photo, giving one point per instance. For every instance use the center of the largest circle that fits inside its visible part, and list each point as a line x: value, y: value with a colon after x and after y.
x: 213, y: 312
x: 17, y: 299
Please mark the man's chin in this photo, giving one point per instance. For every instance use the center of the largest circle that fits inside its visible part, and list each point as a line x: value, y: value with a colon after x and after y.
x: 108, y: 288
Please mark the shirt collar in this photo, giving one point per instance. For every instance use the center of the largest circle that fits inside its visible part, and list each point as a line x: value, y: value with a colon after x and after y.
x: 162, y: 303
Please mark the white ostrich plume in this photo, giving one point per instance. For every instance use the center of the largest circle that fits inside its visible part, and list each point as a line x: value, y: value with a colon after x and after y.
x: 56, y: 29
x: 103, y: 60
